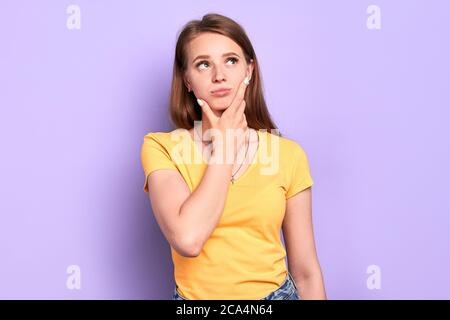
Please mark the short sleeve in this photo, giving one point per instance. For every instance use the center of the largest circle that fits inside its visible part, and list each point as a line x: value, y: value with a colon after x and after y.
x: 154, y: 156
x: 299, y: 176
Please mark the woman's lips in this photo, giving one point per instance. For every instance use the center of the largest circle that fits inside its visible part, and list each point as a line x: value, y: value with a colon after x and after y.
x: 221, y: 93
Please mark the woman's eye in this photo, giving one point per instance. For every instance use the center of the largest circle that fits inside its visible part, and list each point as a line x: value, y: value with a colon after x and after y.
x: 201, y: 62
x: 205, y: 62
x: 234, y: 59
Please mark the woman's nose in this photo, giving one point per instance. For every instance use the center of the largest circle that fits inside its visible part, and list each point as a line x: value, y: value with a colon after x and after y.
x: 219, y: 75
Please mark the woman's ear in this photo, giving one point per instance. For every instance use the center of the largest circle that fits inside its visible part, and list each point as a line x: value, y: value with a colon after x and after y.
x: 250, y: 68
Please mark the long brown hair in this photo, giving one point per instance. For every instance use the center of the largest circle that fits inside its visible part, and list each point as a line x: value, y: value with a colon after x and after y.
x: 184, y: 109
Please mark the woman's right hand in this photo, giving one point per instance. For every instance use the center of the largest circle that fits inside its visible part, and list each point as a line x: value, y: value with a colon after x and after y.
x: 232, y: 121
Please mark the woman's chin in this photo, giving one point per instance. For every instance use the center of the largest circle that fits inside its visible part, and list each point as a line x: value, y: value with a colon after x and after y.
x: 221, y: 104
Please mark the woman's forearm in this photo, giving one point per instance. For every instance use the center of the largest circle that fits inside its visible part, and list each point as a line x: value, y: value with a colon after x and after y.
x: 201, y: 212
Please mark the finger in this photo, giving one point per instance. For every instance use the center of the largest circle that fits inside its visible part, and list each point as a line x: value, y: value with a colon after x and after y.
x: 240, y: 111
x: 238, y: 97
x: 207, y: 110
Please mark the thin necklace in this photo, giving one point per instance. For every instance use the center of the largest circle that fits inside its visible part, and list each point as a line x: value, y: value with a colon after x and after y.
x: 248, y: 143
x: 246, y: 150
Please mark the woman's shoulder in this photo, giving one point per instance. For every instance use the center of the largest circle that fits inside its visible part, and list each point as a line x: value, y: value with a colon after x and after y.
x: 166, y: 138
x: 165, y: 134
x: 154, y: 136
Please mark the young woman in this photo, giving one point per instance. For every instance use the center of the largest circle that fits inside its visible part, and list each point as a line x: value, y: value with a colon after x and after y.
x: 222, y: 213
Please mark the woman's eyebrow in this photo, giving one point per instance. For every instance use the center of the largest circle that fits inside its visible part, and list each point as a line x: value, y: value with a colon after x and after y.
x: 206, y: 56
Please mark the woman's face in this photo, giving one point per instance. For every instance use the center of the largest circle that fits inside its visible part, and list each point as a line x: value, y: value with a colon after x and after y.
x: 215, y: 61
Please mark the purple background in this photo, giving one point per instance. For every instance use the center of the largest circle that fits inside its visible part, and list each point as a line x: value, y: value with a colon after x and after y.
x: 370, y: 108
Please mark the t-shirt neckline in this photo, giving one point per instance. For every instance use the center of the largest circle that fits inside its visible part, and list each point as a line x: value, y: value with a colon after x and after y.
x: 250, y: 168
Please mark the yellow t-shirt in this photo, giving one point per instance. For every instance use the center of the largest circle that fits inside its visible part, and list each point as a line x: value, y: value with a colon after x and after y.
x: 244, y: 258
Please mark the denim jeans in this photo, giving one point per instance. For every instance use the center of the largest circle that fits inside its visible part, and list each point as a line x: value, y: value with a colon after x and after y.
x: 286, y: 291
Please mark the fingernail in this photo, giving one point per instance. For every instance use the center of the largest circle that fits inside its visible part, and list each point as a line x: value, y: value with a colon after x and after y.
x: 200, y: 102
